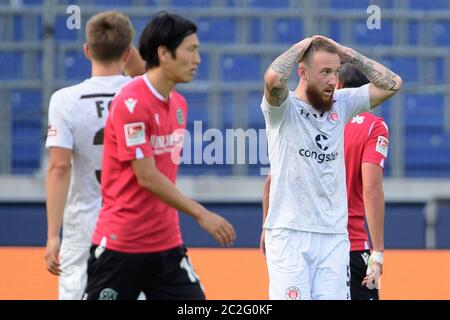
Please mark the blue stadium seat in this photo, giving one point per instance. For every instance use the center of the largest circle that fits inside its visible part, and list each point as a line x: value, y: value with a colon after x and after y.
x: 443, y: 226
x: 440, y: 69
x: 288, y: 30
x: 362, y: 35
x: 334, y: 30
x: 441, y: 33
x: 139, y: 24
x: 413, y: 29
x: 406, y: 66
x: 269, y: 3
x: 404, y: 226
x: 62, y: 33
x: 217, y: 30
x: 110, y: 3
x: 241, y: 68
x: 76, y: 66
x: 255, y: 30
x: 26, y: 108
x: 191, y: 3
x: 11, y: 65
x: 32, y: 2
x: 197, y: 108
x: 427, y: 154
x: 424, y: 112
x: 254, y: 114
x: 227, y: 109
x: 359, y: 4
x: 203, y: 67
x: 428, y: 4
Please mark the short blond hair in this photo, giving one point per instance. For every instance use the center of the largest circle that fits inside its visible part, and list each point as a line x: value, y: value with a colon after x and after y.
x: 108, y: 35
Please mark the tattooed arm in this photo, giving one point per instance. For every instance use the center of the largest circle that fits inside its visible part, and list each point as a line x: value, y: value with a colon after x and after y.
x: 277, y: 75
x: 384, y: 82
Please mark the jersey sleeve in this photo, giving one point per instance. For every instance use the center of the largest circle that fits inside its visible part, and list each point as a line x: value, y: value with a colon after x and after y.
x: 131, y: 125
x: 59, y: 132
x: 355, y: 101
x: 273, y: 115
x: 377, y: 146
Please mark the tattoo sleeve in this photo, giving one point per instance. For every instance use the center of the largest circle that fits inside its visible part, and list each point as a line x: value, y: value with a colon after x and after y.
x: 283, y: 67
x: 378, y: 74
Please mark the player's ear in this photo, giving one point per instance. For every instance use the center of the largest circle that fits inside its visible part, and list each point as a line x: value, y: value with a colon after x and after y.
x: 338, y: 85
x: 163, y: 54
x: 86, y: 51
x: 126, y: 55
x: 302, y: 71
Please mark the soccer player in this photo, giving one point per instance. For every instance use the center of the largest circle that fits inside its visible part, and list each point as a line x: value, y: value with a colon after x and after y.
x: 137, y: 245
x: 75, y: 137
x: 306, y: 240
x: 366, y: 141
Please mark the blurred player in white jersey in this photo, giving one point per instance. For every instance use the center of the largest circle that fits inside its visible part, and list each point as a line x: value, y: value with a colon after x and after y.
x: 307, y: 246
x: 75, y: 140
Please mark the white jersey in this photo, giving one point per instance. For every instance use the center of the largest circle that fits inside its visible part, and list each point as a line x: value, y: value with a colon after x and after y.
x: 306, y: 153
x: 77, y: 116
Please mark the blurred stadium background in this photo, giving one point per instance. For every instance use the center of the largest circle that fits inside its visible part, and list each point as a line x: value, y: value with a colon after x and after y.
x: 39, y: 54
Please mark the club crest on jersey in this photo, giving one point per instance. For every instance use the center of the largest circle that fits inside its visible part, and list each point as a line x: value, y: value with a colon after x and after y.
x: 180, y: 116
x: 134, y: 133
x: 382, y: 145
x: 130, y: 104
x: 333, y: 117
x: 320, y: 142
x: 293, y: 293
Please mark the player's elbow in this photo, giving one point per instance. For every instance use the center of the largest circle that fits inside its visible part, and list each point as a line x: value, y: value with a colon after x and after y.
x: 398, y: 83
x: 272, y: 79
x: 373, y: 191
x: 148, y: 180
x: 59, y: 167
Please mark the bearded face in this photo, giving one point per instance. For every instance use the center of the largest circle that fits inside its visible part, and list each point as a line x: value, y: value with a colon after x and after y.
x: 321, y: 100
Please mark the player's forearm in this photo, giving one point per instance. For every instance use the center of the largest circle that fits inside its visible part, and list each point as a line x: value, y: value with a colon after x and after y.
x: 163, y: 188
x: 380, y: 76
x: 374, y: 207
x: 135, y: 65
x: 57, y: 188
x: 280, y: 71
x: 265, y: 201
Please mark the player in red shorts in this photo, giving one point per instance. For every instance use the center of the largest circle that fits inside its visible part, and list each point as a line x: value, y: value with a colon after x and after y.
x: 137, y: 245
x: 366, y: 141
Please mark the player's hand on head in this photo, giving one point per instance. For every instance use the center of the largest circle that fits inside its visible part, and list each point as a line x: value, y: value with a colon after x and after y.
x: 218, y: 227
x: 374, y: 271
x: 343, y: 52
x: 52, y: 255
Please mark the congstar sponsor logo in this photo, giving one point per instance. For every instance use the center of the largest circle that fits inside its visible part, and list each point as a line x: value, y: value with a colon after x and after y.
x: 318, y: 157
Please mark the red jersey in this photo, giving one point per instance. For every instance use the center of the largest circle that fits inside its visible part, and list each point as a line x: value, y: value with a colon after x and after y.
x: 366, y: 139
x: 140, y: 125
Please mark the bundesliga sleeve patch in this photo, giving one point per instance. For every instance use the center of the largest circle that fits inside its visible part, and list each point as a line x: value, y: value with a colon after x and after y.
x: 134, y: 133
x: 51, y: 131
x: 382, y: 146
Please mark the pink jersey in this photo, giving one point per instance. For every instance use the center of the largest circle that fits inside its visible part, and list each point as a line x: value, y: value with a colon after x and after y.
x: 366, y: 140
x: 140, y: 125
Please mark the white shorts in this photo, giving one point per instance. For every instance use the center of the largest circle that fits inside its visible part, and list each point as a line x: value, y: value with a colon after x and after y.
x: 307, y: 265
x: 73, y: 278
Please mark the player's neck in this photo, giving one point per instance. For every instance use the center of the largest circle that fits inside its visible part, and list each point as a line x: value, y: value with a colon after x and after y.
x: 300, y: 92
x: 105, y: 70
x: 160, y: 82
